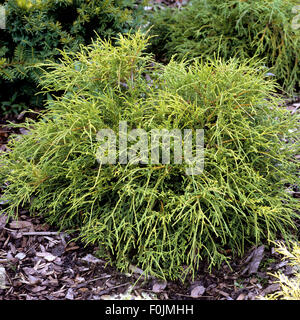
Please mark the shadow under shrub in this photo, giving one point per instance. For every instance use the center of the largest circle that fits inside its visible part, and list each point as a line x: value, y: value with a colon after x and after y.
x: 229, y: 28
x: 37, y: 30
x: 156, y: 216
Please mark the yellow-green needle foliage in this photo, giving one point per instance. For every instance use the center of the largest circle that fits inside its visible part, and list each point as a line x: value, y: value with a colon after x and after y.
x: 263, y: 28
x: 156, y: 216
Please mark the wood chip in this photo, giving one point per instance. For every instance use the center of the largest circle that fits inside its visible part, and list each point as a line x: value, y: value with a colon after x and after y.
x: 38, y: 289
x: 223, y: 293
x: 18, y: 224
x: 40, y: 233
x: 46, y: 255
x: 159, y: 286
x: 135, y: 269
x: 33, y: 280
x: 3, y: 221
x: 71, y: 248
x: 20, y: 255
x: 70, y: 294
x: 255, y: 257
x: 197, y: 292
x: 241, y: 297
x: 91, y: 259
x: 49, y: 257
x: 272, y: 288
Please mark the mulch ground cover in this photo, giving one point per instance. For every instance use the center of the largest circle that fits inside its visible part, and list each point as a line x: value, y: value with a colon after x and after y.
x: 37, y: 262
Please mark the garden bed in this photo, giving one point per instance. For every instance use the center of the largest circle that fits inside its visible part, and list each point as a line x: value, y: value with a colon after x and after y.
x: 44, y: 264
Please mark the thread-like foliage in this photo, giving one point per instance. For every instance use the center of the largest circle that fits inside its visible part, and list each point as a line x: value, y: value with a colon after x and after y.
x: 156, y: 216
x: 262, y: 28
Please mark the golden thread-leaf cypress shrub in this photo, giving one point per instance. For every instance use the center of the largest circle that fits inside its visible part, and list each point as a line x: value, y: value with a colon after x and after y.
x: 156, y: 216
x: 261, y: 28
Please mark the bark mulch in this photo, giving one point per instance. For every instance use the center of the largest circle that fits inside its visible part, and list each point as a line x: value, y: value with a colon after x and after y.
x: 39, y: 263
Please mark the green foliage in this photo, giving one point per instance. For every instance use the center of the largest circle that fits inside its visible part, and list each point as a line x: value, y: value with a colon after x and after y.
x: 233, y: 28
x: 156, y: 216
x: 37, y: 30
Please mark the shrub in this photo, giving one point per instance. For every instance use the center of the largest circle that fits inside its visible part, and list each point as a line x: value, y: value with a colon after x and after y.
x: 156, y: 216
x: 37, y: 30
x: 233, y: 28
x: 289, y: 286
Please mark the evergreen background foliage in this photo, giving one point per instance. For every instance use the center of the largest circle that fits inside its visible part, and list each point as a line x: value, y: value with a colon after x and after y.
x: 229, y: 28
x: 156, y: 216
x: 37, y: 29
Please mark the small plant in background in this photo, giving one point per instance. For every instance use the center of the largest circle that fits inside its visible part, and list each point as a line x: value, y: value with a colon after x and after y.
x: 36, y: 30
x: 289, y: 286
x: 156, y: 216
x: 261, y: 28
